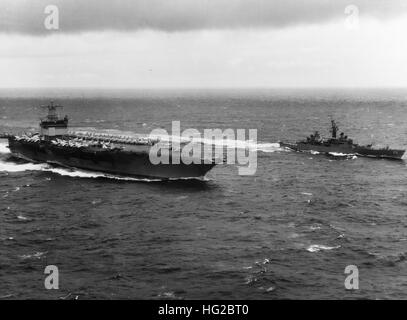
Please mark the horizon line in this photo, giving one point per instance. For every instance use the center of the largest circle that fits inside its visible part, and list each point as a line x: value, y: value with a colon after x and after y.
x: 199, y: 87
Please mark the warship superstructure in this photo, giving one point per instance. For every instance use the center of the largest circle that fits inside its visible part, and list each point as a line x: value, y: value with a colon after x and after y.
x: 119, y: 155
x: 341, y: 145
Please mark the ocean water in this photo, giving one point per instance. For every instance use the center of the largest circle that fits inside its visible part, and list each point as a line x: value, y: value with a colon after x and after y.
x: 287, y: 232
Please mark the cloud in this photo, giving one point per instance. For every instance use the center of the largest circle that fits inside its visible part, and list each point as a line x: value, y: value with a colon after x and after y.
x: 27, y: 16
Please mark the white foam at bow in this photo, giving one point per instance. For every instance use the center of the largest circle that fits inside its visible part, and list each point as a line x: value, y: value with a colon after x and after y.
x: 4, y: 148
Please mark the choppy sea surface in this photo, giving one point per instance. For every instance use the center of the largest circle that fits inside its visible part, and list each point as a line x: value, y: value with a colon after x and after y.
x: 287, y: 232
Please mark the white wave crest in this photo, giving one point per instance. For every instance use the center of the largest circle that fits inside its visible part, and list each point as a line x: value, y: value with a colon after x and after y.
x: 339, y: 154
x: 319, y: 247
x: 36, y: 255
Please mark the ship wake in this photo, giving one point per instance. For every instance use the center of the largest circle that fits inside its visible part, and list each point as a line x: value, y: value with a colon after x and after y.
x: 251, y: 145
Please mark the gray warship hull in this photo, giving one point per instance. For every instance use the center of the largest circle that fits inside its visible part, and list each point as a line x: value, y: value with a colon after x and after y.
x: 118, y: 162
x: 345, y: 149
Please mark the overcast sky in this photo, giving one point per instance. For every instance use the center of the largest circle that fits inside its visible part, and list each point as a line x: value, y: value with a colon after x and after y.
x: 204, y: 43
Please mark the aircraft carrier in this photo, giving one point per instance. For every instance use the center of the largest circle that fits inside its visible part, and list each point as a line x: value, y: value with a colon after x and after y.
x: 112, y: 154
